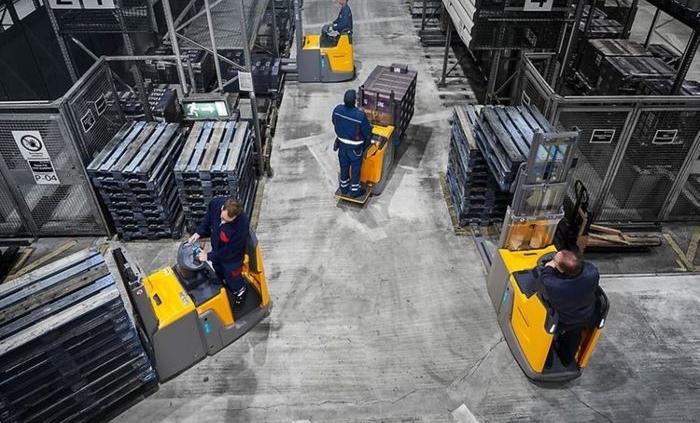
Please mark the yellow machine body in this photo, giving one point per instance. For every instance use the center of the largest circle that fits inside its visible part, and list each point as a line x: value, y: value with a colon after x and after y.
x: 373, y: 163
x: 168, y: 298
x: 339, y: 57
x: 187, y: 313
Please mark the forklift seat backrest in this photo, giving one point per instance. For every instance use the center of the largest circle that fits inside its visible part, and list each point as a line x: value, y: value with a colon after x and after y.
x: 601, y: 308
x: 251, y: 250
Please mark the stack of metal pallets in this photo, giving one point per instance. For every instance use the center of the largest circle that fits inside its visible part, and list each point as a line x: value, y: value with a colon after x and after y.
x: 476, y: 196
x: 503, y: 135
x: 165, y: 106
x: 267, y: 74
x: 217, y: 160
x: 663, y: 87
x: 285, y: 29
x: 134, y: 178
x: 624, y: 75
x: 669, y: 56
x: 68, y: 349
x: 595, y: 52
x: 388, y: 96
x: 165, y: 71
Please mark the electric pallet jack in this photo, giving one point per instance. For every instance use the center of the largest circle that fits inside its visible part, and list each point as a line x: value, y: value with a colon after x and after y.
x: 375, y: 165
x: 184, y: 313
x: 528, y: 321
x: 323, y: 57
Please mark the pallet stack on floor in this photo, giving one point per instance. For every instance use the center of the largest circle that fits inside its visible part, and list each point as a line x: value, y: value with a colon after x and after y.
x: 487, y: 148
x: 217, y: 159
x: 475, y: 194
x: 133, y: 175
x: 68, y: 349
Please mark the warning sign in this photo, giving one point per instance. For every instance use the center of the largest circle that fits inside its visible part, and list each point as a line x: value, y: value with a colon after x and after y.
x: 30, y: 144
x: 602, y: 136
x: 43, y: 171
x: 245, y: 81
x: 665, y: 136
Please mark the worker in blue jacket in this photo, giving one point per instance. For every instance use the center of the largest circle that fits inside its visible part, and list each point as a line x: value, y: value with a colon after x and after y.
x: 341, y: 25
x: 570, y: 285
x: 353, y: 136
x: 228, y: 226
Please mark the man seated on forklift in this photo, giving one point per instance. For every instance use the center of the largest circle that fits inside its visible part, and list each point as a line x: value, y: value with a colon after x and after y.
x: 570, y: 286
x: 228, y: 226
x: 353, y: 136
x: 341, y: 25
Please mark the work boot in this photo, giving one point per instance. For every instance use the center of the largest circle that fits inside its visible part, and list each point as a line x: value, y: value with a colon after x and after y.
x: 344, y: 190
x: 358, y: 193
x: 239, y: 297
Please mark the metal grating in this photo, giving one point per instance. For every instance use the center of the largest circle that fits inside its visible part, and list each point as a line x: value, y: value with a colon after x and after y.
x: 596, y: 146
x: 65, y: 209
x: 688, y: 204
x: 10, y: 221
x: 651, y: 165
x: 93, y: 107
x: 226, y: 21
x: 132, y: 14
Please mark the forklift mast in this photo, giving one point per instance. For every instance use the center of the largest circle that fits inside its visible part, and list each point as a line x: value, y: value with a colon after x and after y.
x: 540, y: 189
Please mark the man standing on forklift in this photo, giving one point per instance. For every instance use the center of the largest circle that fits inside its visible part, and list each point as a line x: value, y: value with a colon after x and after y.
x: 570, y: 286
x: 228, y: 226
x: 353, y: 135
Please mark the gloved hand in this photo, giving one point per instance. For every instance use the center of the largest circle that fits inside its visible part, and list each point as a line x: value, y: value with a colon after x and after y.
x: 202, y: 256
x: 194, y: 237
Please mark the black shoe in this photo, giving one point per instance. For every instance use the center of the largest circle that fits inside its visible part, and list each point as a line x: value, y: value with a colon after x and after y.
x: 344, y: 191
x: 239, y: 297
x: 358, y: 194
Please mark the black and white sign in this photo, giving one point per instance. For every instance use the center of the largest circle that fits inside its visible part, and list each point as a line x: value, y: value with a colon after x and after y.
x: 665, y: 136
x: 31, y: 145
x: 525, y: 99
x: 100, y: 105
x: 43, y: 171
x: 85, y: 4
x: 538, y: 5
x: 602, y: 136
x: 245, y: 81
x: 87, y: 121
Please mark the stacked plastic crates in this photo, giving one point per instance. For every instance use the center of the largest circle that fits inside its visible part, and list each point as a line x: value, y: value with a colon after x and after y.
x: 388, y: 96
x: 476, y: 197
x: 165, y: 71
x: 217, y: 160
x: 68, y: 349
x: 133, y: 176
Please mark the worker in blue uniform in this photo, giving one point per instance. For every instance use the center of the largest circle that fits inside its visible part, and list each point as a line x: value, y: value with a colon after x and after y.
x: 228, y: 226
x: 353, y: 136
x: 341, y: 25
x: 570, y: 285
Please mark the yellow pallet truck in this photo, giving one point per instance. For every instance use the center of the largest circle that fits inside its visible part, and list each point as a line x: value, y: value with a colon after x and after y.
x: 375, y: 165
x: 528, y: 321
x: 184, y: 313
x: 320, y: 57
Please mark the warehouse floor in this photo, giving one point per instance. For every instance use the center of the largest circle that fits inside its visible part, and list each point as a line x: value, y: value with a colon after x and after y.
x: 381, y: 313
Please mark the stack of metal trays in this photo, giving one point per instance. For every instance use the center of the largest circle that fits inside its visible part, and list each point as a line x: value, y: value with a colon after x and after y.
x: 595, y: 51
x: 663, y: 87
x: 388, y: 96
x: 504, y: 135
x: 165, y: 71
x: 476, y: 196
x: 68, y: 349
x: 267, y: 74
x: 217, y: 160
x: 669, y: 56
x: 602, y: 28
x: 133, y: 176
x: 624, y: 75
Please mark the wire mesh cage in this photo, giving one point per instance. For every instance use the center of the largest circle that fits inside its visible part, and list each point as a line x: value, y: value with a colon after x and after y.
x: 126, y: 16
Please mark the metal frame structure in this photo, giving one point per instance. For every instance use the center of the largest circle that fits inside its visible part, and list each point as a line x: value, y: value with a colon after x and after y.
x: 72, y: 208
x: 633, y: 113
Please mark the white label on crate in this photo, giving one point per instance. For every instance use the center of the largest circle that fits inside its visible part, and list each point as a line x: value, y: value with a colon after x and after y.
x: 31, y: 145
x: 665, y: 136
x: 88, y: 121
x: 602, y: 136
x: 245, y: 81
x: 538, y: 5
x: 43, y: 171
x: 525, y: 99
x: 100, y: 105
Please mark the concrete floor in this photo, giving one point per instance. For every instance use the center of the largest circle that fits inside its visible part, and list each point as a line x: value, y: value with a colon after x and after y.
x: 381, y: 313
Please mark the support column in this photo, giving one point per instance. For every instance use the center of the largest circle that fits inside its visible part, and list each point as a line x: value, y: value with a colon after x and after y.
x: 217, y: 65
x: 448, y: 42
x: 688, y: 57
x: 62, y: 45
x: 652, y: 27
x: 167, y: 11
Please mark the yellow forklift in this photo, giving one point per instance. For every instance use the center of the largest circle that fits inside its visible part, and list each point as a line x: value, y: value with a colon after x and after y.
x: 321, y: 58
x: 184, y: 312
x: 528, y: 321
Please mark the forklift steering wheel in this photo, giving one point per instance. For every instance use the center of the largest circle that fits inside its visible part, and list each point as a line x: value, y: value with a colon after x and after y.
x: 187, y: 257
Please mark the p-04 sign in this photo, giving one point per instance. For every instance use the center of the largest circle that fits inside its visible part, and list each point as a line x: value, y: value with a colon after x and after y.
x: 32, y: 148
